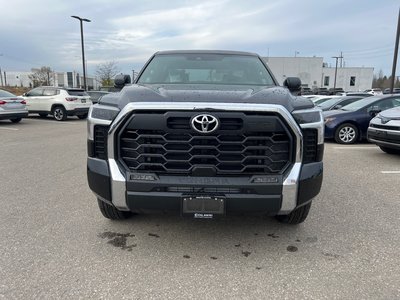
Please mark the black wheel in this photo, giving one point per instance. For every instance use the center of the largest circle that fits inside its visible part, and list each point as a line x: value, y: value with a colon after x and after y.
x: 43, y: 115
x: 297, y: 216
x: 346, y: 134
x: 84, y: 116
x: 110, y: 212
x: 389, y: 150
x: 59, y: 113
x: 17, y: 120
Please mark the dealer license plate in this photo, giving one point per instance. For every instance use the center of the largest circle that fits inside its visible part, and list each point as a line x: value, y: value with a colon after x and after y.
x: 203, y: 207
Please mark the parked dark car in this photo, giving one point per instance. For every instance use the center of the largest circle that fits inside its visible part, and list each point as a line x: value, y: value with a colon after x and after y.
x: 306, y: 91
x: 350, y: 123
x: 321, y: 91
x: 337, y: 103
x: 395, y: 91
x: 335, y: 91
x: 96, y: 95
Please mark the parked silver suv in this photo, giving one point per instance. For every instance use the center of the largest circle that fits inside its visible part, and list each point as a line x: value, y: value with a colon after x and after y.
x: 59, y: 102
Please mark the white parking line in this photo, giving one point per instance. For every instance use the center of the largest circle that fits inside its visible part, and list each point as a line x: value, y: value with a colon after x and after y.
x: 9, y: 128
x: 355, y: 147
x: 55, y: 122
x: 390, y: 172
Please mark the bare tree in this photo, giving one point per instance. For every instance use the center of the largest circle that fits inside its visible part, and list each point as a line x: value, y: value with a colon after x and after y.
x: 40, y: 76
x: 106, y: 72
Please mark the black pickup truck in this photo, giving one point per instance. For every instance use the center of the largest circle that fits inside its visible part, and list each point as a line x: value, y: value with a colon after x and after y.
x: 204, y: 134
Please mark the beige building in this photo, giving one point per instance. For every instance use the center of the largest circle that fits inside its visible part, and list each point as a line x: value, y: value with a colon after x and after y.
x: 314, y: 73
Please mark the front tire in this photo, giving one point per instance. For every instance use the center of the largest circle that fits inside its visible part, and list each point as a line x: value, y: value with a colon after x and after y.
x: 17, y: 120
x: 346, y: 134
x: 295, y: 217
x: 110, y: 212
x: 389, y: 150
x: 59, y: 113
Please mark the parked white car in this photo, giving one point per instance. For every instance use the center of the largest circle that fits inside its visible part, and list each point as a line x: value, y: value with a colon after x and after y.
x: 59, y: 102
x: 12, y: 107
x: 384, y: 130
x: 374, y: 92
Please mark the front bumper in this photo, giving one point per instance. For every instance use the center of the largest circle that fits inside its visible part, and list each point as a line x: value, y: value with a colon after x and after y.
x: 78, y: 111
x: 5, y: 115
x: 384, y: 137
x: 112, y: 184
x: 241, y: 194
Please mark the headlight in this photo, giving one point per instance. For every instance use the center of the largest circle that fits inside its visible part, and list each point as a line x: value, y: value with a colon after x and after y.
x: 330, y: 119
x: 104, y: 112
x: 307, y: 116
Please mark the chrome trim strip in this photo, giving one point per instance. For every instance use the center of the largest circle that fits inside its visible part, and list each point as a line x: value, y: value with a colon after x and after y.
x: 118, y: 186
x: 289, y: 190
x: 290, y: 185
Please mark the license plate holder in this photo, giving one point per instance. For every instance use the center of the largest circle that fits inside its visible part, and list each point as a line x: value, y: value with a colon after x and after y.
x: 83, y: 101
x: 203, y: 207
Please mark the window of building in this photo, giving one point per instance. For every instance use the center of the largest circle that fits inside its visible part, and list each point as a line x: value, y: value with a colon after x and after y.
x: 326, y: 80
x: 352, y: 80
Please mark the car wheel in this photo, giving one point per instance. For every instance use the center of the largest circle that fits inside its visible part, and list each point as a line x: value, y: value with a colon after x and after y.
x: 110, y: 212
x: 389, y: 150
x: 346, y: 134
x: 43, y: 115
x: 295, y: 217
x: 84, y: 116
x: 59, y: 113
x: 17, y: 120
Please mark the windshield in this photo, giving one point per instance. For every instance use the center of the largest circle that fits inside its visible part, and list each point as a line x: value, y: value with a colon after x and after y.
x: 360, y: 104
x: 77, y: 92
x: 198, y: 68
x: 329, y: 102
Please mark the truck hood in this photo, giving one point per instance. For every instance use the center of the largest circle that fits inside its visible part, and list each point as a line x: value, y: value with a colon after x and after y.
x: 206, y: 93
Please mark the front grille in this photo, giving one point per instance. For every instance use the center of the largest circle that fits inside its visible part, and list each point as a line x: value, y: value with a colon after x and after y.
x: 206, y: 190
x: 385, y: 127
x: 100, y: 141
x: 310, y: 145
x: 389, y: 138
x: 243, y: 145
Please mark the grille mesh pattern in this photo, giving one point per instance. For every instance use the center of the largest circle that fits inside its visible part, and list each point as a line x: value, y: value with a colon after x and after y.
x: 310, y: 142
x: 231, y: 150
x: 100, y: 141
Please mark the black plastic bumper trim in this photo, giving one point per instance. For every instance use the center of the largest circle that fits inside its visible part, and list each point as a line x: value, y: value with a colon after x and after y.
x: 13, y: 115
x: 310, y: 182
x: 99, y: 177
x: 78, y: 111
x: 143, y: 202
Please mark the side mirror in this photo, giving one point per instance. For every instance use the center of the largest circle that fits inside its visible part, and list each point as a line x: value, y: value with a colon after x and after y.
x: 374, y: 111
x: 337, y: 106
x: 24, y: 95
x: 293, y: 84
x: 121, y: 80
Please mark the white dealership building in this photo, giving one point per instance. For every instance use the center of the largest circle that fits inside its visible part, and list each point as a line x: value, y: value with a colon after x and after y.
x: 314, y: 73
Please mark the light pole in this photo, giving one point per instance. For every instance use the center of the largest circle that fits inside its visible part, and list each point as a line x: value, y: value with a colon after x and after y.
x: 81, y: 20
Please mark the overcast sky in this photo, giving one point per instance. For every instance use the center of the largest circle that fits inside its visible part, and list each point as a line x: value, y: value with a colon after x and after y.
x: 41, y: 32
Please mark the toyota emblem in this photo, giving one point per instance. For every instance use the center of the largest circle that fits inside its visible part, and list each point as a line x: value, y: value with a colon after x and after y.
x: 205, y: 123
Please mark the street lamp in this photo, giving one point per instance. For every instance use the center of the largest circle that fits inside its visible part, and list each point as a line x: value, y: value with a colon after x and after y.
x: 83, y: 48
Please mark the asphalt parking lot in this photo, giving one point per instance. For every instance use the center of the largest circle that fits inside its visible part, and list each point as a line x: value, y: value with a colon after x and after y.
x: 55, y: 243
